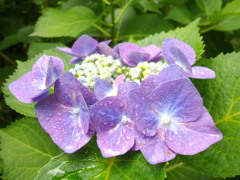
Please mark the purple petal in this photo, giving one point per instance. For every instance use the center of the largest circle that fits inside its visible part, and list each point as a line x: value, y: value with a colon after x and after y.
x: 107, y: 41
x: 102, y: 89
x: 172, y: 72
x: 107, y: 113
x: 34, y: 85
x: 131, y: 53
x: 64, y: 123
x: 76, y: 60
x: 67, y: 51
x: 194, y: 137
x: 154, y: 51
x: 154, y: 148
x: 27, y: 87
x: 116, y: 141
x: 141, y: 96
x: 84, y: 46
x: 103, y: 48
x: 119, y: 79
x: 125, y: 88
x: 136, y: 57
x: 176, y: 50
x: 178, y: 99
x: 70, y: 91
x: 202, y: 73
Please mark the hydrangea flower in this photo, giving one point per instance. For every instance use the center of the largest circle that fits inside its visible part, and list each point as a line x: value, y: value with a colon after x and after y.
x: 180, y: 53
x: 172, y: 120
x: 85, y: 46
x: 65, y: 114
x: 112, y: 118
x: 132, y: 54
x: 34, y: 85
x: 128, y: 95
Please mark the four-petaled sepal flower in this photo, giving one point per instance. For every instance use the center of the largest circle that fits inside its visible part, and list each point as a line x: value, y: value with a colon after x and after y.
x: 34, y: 85
x: 65, y: 115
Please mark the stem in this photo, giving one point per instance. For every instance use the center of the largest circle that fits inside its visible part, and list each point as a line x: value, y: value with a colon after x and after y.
x: 113, y: 20
x: 7, y: 59
x: 102, y: 30
x: 123, y: 11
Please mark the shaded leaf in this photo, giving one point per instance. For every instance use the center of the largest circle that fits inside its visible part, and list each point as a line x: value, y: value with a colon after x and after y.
x: 209, y: 7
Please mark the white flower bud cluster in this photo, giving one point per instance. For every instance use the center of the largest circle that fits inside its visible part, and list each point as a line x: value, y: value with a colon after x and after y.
x: 96, y: 67
x: 143, y: 70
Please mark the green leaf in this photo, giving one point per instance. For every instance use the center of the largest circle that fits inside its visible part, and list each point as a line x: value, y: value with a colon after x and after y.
x: 39, y: 47
x: 222, y: 99
x: 188, y: 34
x: 57, y: 23
x: 23, y: 68
x: 178, y: 170
x: 25, y: 148
x: 180, y: 14
x: 88, y: 163
x: 229, y: 17
x: 209, y: 7
x: 144, y: 25
x: 21, y: 36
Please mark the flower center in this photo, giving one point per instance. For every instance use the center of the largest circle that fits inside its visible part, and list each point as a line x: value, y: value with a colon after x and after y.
x: 98, y: 66
x: 165, y: 119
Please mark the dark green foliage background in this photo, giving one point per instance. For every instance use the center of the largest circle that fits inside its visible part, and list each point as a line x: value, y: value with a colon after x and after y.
x: 32, y: 27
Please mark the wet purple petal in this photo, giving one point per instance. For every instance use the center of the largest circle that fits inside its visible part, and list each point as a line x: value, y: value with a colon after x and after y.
x: 154, y: 148
x: 67, y: 51
x: 194, y: 137
x: 125, y: 88
x: 154, y: 51
x: 34, y: 85
x: 202, y: 73
x: 136, y: 57
x: 102, y: 89
x: 115, y: 130
x: 84, y: 46
x: 117, y: 141
x: 172, y: 72
x: 119, y: 79
x: 69, y: 89
x: 75, y: 60
x: 176, y: 50
x: 178, y: 99
x: 103, y: 48
x: 64, y: 123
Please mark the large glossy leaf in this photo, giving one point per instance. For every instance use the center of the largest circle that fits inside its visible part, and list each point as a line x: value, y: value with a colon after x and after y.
x: 57, y: 23
x: 188, y: 34
x: 25, y: 148
x: 89, y: 164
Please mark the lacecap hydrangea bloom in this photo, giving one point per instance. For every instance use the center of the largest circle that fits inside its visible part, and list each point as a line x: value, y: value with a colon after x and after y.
x: 131, y: 97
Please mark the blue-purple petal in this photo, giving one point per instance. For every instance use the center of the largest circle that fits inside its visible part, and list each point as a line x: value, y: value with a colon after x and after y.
x: 172, y: 72
x: 84, y: 46
x: 34, y: 85
x: 202, y: 73
x: 176, y: 50
x: 154, y: 148
x: 67, y: 51
x: 194, y: 137
x: 116, y: 141
x: 103, y: 48
x: 178, y: 99
x: 102, y: 89
x: 154, y: 51
x: 63, y: 123
x: 76, y: 60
